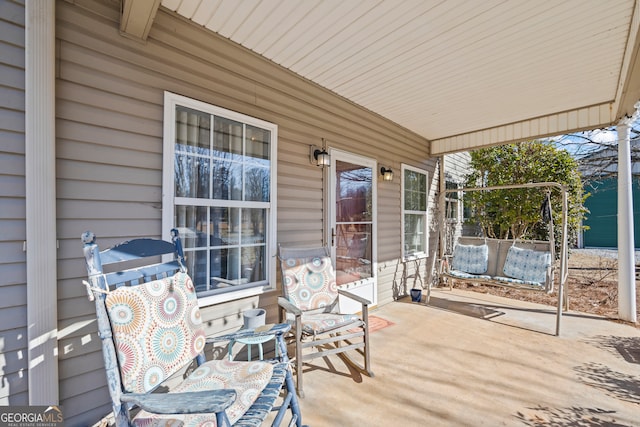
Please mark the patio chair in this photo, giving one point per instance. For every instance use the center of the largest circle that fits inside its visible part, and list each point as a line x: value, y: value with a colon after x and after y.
x: 310, y: 305
x: 153, y: 340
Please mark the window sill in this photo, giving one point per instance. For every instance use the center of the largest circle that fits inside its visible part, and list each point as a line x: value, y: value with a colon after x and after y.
x: 210, y: 300
x: 414, y: 257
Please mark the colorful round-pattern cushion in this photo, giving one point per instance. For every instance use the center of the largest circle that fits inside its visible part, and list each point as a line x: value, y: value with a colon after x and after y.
x: 248, y: 379
x: 309, y: 283
x: 157, y: 329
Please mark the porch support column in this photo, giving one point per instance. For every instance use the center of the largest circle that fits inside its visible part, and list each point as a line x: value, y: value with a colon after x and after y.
x: 40, y: 186
x: 441, y: 208
x: 626, y: 259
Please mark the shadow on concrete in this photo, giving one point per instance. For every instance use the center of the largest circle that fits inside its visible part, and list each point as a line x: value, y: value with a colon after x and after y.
x: 568, y: 417
x: 627, y: 347
x: 478, y: 311
x: 618, y: 385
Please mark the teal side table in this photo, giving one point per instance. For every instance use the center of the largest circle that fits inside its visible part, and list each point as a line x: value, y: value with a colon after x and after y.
x: 249, y: 341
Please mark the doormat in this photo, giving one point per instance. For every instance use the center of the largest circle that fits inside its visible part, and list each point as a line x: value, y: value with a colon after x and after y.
x: 376, y: 323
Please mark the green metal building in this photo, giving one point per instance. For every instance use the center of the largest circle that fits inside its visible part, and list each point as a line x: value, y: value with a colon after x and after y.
x: 603, y: 212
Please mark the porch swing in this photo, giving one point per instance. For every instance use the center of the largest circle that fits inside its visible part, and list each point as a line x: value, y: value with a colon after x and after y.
x: 515, y: 263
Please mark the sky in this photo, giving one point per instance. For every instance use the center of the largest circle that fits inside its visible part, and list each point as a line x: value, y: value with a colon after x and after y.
x: 581, y: 144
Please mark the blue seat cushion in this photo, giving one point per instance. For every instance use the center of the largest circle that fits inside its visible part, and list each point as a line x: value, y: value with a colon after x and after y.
x: 527, y: 265
x: 471, y: 259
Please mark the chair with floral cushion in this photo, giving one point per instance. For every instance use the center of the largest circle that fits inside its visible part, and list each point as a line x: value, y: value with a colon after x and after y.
x: 310, y: 304
x: 153, y: 340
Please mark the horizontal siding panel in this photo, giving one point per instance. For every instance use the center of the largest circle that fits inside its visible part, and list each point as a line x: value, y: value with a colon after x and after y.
x: 12, y: 208
x: 73, y: 346
x: 122, y: 228
x: 161, y: 72
x: 84, y: 384
x: 12, y: 142
x: 71, y: 287
x: 11, y: 54
x: 14, y: 364
x: 90, y: 134
x: 18, y: 398
x: 110, y: 155
x: 82, y: 364
x: 113, y: 120
x: 103, y: 209
x: 14, y: 339
x: 13, y: 229
x: 11, y: 77
x: 108, y: 173
x: 13, y: 12
x: 81, y: 326
x: 74, y: 69
x: 11, y: 120
x: 13, y: 274
x: 120, y: 104
x: 13, y: 317
x: 11, y: 98
x: 78, y: 307
x: 108, y: 191
x: 12, y: 164
x: 13, y: 296
x: 11, y: 252
x: 13, y: 384
x: 86, y: 409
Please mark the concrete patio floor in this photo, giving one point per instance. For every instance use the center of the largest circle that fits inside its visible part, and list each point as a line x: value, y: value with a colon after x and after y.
x: 470, y: 359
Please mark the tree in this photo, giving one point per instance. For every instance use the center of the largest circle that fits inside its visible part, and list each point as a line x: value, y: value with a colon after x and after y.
x: 597, y: 150
x: 516, y: 213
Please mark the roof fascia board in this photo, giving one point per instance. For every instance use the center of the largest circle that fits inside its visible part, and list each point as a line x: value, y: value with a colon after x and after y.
x: 592, y: 117
x: 629, y: 88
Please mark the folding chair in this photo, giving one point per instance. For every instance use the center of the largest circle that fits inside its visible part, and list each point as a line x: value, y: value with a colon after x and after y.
x: 153, y: 339
x: 310, y: 305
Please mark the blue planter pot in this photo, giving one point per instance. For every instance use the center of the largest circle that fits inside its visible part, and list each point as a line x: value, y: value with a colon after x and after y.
x: 416, y: 295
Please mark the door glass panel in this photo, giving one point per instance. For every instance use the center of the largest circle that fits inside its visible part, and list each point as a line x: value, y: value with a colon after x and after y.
x: 354, y: 222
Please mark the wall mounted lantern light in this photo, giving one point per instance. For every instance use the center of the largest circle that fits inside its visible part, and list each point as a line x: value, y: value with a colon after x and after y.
x: 387, y: 174
x: 319, y: 156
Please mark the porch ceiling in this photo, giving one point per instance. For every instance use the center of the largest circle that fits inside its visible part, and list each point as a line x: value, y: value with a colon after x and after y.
x: 462, y: 74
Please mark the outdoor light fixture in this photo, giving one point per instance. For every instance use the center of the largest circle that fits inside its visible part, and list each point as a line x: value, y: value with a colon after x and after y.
x: 319, y: 156
x: 387, y: 174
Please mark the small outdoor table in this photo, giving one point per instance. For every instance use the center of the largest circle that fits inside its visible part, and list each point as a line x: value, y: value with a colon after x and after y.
x: 249, y: 341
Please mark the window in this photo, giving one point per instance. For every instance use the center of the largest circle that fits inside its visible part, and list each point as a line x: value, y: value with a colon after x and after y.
x: 219, y: 192
x: 452, y: 209
x: 414, y: 212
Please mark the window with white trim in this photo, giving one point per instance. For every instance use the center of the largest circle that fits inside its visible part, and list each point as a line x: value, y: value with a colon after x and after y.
x: 414, y: 212
x: 219, y: 192
x: 452, y: 205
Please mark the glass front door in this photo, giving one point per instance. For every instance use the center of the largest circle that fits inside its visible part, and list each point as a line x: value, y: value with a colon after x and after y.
x: 353, y: 210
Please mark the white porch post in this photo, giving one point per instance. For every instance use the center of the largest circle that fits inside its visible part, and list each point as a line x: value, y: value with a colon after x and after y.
x: 626, y: 259
x: 40, y: 178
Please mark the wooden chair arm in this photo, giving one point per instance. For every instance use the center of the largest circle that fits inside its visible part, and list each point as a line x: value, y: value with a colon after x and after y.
x: 183, y: 403
x: 354, y: 297
x: 289, y: 307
